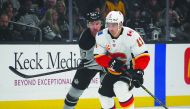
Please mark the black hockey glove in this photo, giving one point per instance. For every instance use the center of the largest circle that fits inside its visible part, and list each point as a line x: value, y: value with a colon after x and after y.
x: 116, y: 64
x: 137, y: 78
x: 81, y: 63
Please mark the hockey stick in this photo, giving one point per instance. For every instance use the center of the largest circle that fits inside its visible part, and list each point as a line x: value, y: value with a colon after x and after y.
x: 157, y: 100
x: 145, y: 89
x: 47, y: 73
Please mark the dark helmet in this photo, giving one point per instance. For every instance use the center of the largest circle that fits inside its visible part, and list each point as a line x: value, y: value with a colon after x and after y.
x: 93, y: 16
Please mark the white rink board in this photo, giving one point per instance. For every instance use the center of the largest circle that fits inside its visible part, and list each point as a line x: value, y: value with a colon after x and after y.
x: 175, y: 83
x: 12, y: 87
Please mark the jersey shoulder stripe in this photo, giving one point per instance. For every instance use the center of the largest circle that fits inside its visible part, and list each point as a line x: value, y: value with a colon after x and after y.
x: 100, y: 33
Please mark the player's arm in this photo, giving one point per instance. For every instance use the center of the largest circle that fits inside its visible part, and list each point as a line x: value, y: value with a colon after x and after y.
x: 113, y: 65
x: 140, y: 59
x: 102, y: 59
x: 100, y: 51
x: 140, y: 55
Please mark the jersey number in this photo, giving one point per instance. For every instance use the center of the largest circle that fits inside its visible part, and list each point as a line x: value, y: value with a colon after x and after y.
x: 140, y: 41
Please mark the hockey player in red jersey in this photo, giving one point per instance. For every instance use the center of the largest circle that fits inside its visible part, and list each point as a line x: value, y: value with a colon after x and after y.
x: 123, y: 53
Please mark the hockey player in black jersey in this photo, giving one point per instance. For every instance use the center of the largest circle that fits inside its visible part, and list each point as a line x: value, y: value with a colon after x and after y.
x: 83, y: 77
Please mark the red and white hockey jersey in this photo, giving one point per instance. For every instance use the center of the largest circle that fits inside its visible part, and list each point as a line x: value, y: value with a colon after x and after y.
x: 129, y: 46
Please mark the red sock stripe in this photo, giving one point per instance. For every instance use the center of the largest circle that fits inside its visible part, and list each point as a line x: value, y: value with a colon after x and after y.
x: 127, y: 103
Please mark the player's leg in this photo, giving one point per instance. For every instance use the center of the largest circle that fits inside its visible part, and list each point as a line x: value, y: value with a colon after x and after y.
x: 80, y: 82
x: 106, y: 92
x: 125, y: 97
x: 72, y: 98
x: 107, y: 102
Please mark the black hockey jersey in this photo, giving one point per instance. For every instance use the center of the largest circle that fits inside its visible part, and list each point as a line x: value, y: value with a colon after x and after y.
x: 86, y: 44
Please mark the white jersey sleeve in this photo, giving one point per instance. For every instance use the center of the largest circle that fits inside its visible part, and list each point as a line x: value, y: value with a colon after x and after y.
x: 137, y: 44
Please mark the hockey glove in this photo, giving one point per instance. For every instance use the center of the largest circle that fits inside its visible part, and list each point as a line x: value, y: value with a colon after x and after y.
x: 116, y: 64
x: 137, y: 78
x: 81, y: 63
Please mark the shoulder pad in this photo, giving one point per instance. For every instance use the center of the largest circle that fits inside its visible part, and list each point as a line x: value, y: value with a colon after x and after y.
x: 100, y: 32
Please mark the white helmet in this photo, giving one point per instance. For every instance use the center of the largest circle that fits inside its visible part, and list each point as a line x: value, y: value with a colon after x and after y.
x: 115, y: 17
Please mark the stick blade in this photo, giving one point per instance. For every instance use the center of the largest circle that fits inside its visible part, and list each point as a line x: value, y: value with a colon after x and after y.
x: 18, y: 73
